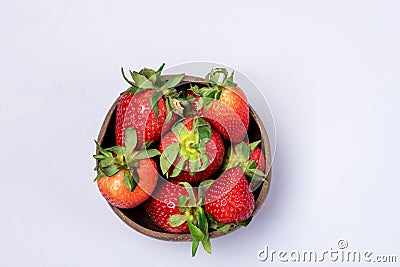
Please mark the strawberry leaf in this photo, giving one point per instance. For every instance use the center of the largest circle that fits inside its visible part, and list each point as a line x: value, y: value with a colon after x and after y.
x: 99, y: 175
x: 148, y: 73
x: 128, y: 81
x: 242, y: 149
x: 204, y: 133
x: 195, y: 89
x: 179, y: 130
x: 168, y: 157
x: 169, y: 115
x: 158, y: 72
x: 177, y: 219
x: 195, y: 246
x: 252, y: 164
x: 148, y: 144
x: 196, y: 233
x: 207, y: 102
x: 203, y: 187
x: 154, y: 102
x: 213, y: 78
x: 106, y: 162
x: 203, y: 226
x: 194, y: 165
x: 171, y: 83
x: 109, y: 170
x: 189, y: 190
x: 254, y: 145
x: 200, y: 104
x: 204, y: 162
x: 182, y: 200
x: 102, y: 150
x: 98, y: 157
x: 218, y: 95
x: 202, y: 220
x: 224, y: 228
x: 203, y: 128
x: 214, y: 224
x: 259, y: 173
x: 118, y: 150
x: 179, y: 167
x: 146, y: 154
x: 206, y: 244
x: 130, y: 140
x: 246, y: 222
x: 141, y: 81
x: 245, y: 151
x: 129, y: 182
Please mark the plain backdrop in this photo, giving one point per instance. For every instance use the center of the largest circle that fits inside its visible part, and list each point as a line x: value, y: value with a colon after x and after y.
x: 329, y: 69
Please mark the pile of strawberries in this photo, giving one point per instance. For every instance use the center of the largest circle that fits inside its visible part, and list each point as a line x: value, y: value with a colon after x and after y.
x: 183, y: 153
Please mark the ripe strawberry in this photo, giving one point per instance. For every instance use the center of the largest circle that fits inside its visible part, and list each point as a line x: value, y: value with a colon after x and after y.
x: 126, y: 178
x: 174, y: 207
x: 224, y: 104
x: 250, y: 159
x: 164, y: 203
x: 194, y: 149
x: 229, y: 199
x: 258, y: 156
x: 149, y: 105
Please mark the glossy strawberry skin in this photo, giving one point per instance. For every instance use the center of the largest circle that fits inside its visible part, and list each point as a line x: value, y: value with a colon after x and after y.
x: 164, y: 203
x: 259, y: 158
x: 229, y: 199
x: 229, y: 115
x: 214, y: 150
x: 115, y: 192
x: 134, y: 110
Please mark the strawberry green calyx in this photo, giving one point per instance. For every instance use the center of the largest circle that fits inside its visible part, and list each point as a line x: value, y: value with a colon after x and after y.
x: 216, y: 80
x: 114, y: 159
x: 225, y: 227
x: 220, y: 77
x: 147, y: 79
x: 240, y: 157
x: 190, y: 148
x: 194, y: 215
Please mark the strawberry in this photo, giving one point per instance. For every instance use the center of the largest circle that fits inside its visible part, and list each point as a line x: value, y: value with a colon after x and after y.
x: 224, y: 104
x: 126, y: 178
x: 229, y: 199
x: 258, y: 156
x: 175, y: 208
x: 194, y: 148
x: 250, y: 159
x: 149, y: 105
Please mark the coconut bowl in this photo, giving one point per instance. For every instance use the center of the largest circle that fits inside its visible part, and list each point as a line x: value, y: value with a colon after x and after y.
x: 137, y: 217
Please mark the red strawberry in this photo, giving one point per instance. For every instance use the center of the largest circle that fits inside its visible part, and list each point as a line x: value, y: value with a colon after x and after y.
x: 174, y: 208
x: 150, y: 104
x: 229, y: 199
x: 164, y: 203
x: 258, y: 156
x: 135, y: 110
x: 194, y: 149
x: 250, y: 159
x: 117, y: 194
x: 224, y: 104
x: 126, y: 178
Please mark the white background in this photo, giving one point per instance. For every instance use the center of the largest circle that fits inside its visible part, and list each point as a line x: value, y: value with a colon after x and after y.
x: 329, y: 69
